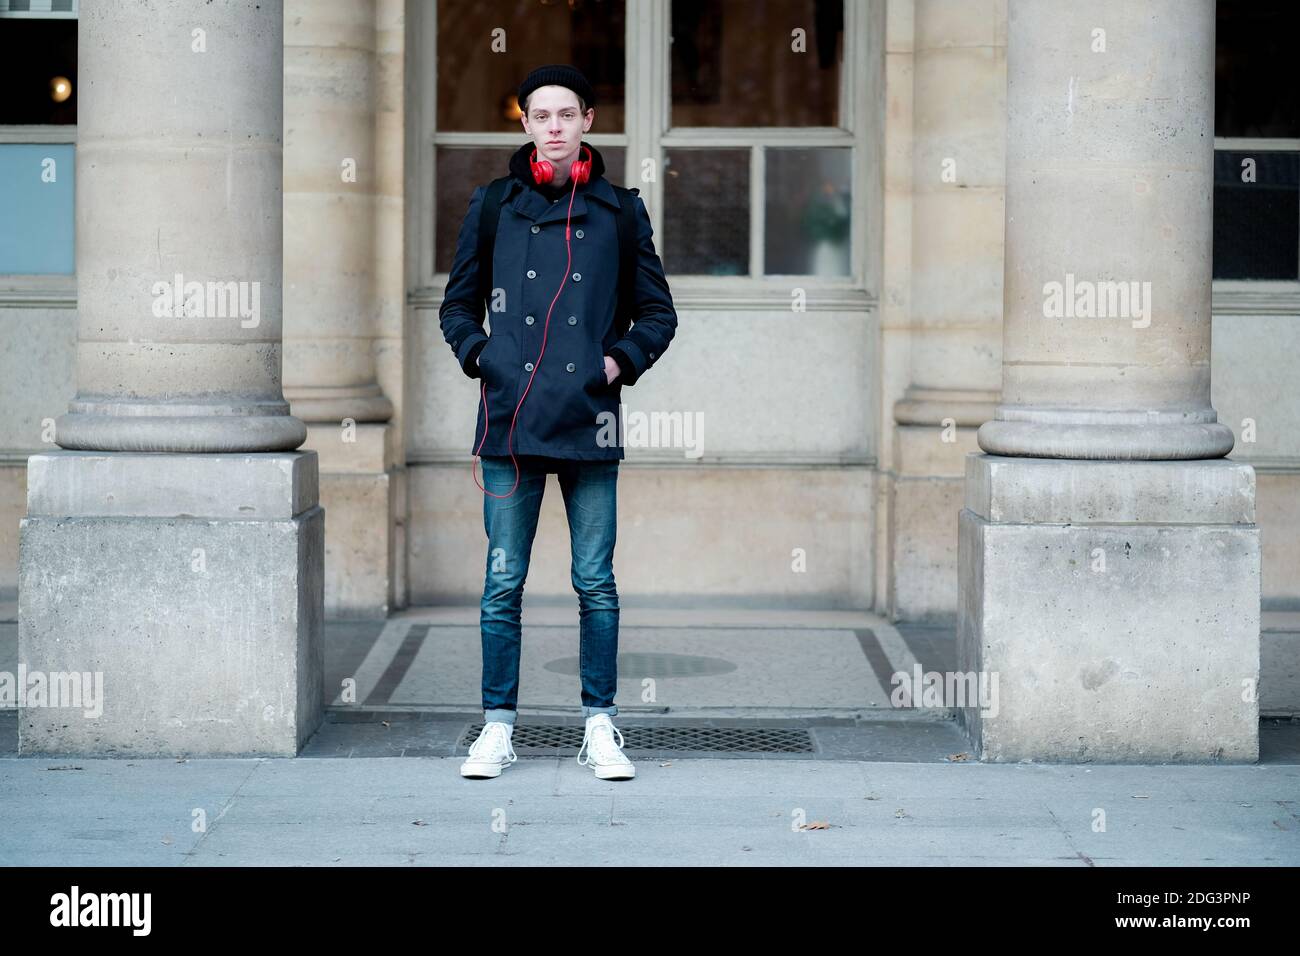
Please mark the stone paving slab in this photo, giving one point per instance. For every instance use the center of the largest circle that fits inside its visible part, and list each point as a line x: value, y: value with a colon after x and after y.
x: 404, y: 811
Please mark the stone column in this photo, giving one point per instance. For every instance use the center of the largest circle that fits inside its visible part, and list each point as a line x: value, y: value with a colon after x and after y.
x: 1116, y: 600
x: 178, y: 233
x: 955, y: 291
x: 1116, y: 208
x: 343, y: 276
x: 175, y: 550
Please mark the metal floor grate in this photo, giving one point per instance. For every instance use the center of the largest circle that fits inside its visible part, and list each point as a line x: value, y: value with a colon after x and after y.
x: 550, y: 738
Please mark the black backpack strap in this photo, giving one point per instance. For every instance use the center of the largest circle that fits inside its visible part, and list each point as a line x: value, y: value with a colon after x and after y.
x: 489, y: 214
x: 626, y: 258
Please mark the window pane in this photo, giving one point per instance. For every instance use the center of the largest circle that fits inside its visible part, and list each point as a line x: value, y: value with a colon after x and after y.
x: 737, y: 62
x: 38, y: 71
x: 477, y: 84
x: 460, y: 169
x: 808, y: 210
x: 706, y: 212
x: 459, y: 172
x: 36, y: 208
x: 1256, y: 224
x: 615, y: 157
x: 1256, y: 92
x: 38, y: 8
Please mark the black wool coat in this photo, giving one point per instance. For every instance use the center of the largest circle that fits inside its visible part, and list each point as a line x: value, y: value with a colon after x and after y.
x: 570, y: 411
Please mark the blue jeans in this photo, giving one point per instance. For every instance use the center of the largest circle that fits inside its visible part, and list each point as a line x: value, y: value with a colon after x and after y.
x: 589, y: 489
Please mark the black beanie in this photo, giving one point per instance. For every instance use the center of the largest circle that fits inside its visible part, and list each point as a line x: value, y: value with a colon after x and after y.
x: 557, y: 74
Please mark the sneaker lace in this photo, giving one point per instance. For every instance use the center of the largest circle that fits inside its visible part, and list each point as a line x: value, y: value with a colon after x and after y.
x: 599, y: 743
x: 495, y: 737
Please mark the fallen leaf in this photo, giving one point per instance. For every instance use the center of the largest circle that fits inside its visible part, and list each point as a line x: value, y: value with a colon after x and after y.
x: 816, y: 825
x: 960, y: 756
x: 418, y: 823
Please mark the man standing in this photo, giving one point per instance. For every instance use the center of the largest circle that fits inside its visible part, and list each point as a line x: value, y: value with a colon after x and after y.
x: 559, y: 352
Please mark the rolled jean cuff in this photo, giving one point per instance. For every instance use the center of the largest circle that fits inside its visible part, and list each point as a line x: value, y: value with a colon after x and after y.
x: 505, y: 716
x: 591, y: 711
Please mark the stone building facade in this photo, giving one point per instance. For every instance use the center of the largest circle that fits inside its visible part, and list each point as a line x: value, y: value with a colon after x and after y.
x: 847, y: 380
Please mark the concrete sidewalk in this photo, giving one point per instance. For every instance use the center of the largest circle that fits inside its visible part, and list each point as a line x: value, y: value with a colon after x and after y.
x: 548, y: 810
x: 379, y: 783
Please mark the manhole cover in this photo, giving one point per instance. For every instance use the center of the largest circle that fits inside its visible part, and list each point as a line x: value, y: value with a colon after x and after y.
x: 653, y: 665
x: 568, y: 737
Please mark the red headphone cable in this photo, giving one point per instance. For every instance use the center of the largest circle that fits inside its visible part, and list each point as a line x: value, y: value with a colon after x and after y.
x: 536, y: 365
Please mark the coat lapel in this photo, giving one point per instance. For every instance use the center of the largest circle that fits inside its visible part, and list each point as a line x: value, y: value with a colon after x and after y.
x: 530, y: 204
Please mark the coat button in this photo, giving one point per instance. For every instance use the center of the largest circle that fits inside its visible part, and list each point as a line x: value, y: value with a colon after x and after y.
x: 528, y: 366
x: 529, y: 320
x: 573, y: 320
x: 577, y: 277
x: 532, y: 273
x: 652, y: 355
x: 570, y: 367
x: 536, y: 230
x: 578, y: 233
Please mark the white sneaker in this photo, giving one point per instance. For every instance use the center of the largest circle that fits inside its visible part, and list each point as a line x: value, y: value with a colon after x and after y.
x: 603, y: 754
x: 491, y: 752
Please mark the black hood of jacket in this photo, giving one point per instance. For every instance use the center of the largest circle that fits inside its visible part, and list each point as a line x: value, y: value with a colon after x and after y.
x: 519, y: 167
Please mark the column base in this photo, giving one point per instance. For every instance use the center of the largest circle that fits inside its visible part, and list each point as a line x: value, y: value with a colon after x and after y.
x: 926, y: 499
x: 188, y: 587
x: 334, y: 404
x: 932, y: 406
x: 1126, y: 436
x: 936, y: 430
x: 1112, y: 608
x: 360, y: 488
x: 141, y: 427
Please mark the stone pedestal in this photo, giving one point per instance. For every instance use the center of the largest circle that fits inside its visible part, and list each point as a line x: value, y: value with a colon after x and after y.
x: 360, y: 488
x: 1117, y: 606
x: 930, y: 462
x: 192, y: 583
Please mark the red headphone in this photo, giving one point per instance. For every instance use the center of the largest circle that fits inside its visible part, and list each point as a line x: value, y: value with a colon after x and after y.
x: 543, y: 172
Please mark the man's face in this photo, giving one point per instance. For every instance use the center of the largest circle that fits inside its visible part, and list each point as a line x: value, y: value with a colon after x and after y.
x: 553, y: 114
